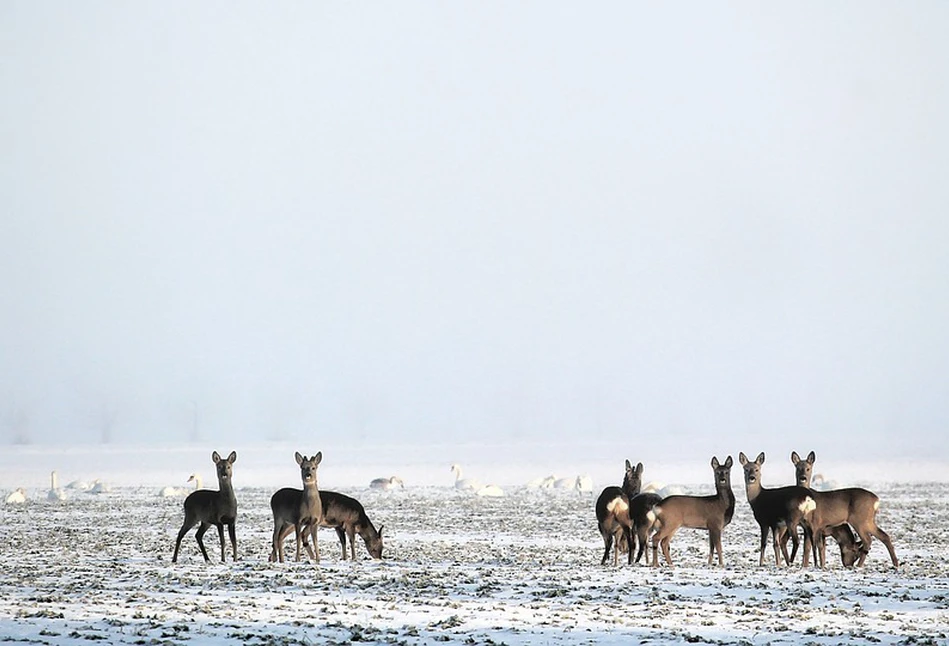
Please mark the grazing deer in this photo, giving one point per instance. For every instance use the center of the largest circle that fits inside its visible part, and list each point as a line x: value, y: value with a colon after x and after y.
x: 348, y: 517
x: 216, y: 508
x: 837, y: 507
x: 298, y: 509
x: 850, y: 547
x: 696, y: 512
x: 779, y: 510
x: 612, y: 513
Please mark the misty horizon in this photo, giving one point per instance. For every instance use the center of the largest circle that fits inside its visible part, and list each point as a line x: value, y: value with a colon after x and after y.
x: 410, y: 225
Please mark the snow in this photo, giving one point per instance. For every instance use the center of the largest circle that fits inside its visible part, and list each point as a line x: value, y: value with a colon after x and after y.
x: 523, y: 569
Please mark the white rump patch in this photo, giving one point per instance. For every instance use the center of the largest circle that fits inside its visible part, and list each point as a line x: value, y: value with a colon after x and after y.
x: 807, y: 505
x: 617, y: 504
x: 876, y: 505
x: 653, y: 514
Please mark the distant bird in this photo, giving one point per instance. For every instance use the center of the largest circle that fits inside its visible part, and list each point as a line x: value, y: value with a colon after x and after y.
x: 663, y: 490
x: 99, y: 487
x: 565, y: 483
x: 820, y: 483
x: 81, y: 485
x: 542, y: 483
x: 55, y: 493
x: 173, y: 492
x: 17, y: 497
x: 490, y: 491
x: 464, y: 484
x: 584, y: 484
x: 387, y: 483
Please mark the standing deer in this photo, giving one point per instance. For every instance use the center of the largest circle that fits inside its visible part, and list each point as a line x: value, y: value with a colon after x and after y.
x: 348, y: 517
x: 696, y: 512
x: 297, y: 508
x: 837, y: 507
x: 216, y: 508
x: 850, y: 547
x: 612, y: 513
x: 778, y: 510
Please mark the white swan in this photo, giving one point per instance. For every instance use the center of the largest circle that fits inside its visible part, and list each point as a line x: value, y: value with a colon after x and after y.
x: 663, y: 490
x: 490, y: 491
x: 464, y: 484
x: 387, y: 483
x: 17, y: 497
x: 99, y: 487
x: 565, y: 483
x: 81, y: 485
x: 173, y: 492
x: 55, y: 493
x: 820, y: 483
x: 542, y: 483
x: 584, y: 484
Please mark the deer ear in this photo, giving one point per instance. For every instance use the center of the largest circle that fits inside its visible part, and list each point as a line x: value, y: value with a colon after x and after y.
x: 742, y: 460
x: 795, y: 458
x: 760, y: 458
x: 728, y: 462
x: 639, y: 469
x: 318, y: 457
x: 715, y: 463
x: 629, y: 467
x: 298, y: 457
x: 811, y: 457
x: 232, y: 458
x: 215, y: 457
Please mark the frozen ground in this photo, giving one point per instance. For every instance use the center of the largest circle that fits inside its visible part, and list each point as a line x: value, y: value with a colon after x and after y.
x: 523, y: 569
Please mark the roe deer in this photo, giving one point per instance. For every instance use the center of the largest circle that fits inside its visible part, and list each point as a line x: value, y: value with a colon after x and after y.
x: 696, y: 512
x: 216, y: 508
x: 348, y: 517
x: 779, y: 510
x: 853, y: 505
x: 849, y: 546
x: 297, y: 508
x: 612, y: 513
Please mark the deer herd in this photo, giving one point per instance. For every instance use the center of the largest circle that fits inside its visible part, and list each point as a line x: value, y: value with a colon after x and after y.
x: 626, y: 516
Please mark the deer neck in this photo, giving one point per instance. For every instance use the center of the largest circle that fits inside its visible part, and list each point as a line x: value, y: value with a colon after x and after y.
x: 310, y: 490
x: 753, y: 490
x: 226, y: 488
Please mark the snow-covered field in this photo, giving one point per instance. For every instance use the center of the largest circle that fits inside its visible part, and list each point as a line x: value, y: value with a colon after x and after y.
x: 521, y: 569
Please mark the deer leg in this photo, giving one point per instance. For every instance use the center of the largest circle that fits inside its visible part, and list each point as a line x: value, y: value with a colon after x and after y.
x: 641, y: 536
x: 232, y: 534
x: 298, y: 529
x: 776, y: 533
x: 764, y: 539
x: 715, y: 543
x: 665, y: 548
x: 220, y: 533
x: 314, y: 527
x: 280, y: 534
x: 188, y: 524
x: 199, y: 535
x: 341, y: 535
x: 655, y: 547
x: 351, y: 533
x: 306, y: 543
x: 607, y: 544
x: 789, y: 534
x: 883, y: 536
x: 784, y: 546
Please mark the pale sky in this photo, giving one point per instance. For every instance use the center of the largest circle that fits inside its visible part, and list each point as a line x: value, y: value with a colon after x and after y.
x: 704, y: 227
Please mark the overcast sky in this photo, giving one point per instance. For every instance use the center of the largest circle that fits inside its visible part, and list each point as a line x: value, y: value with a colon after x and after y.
x: 707, y: 227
